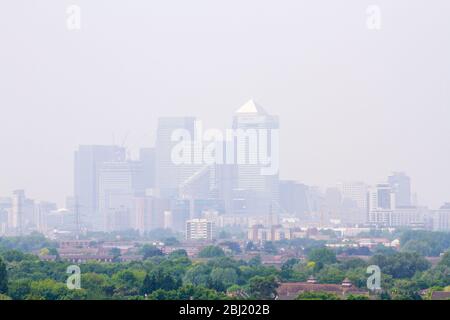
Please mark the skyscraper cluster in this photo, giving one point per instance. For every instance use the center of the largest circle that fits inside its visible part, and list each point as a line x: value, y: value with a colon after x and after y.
x: 193, y: 180
x: 114, y: 193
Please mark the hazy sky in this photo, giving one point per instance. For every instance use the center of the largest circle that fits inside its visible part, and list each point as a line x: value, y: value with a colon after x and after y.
x: 353, y: 103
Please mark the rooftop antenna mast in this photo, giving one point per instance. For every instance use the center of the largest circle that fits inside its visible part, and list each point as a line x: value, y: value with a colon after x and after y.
x: 124, y: 142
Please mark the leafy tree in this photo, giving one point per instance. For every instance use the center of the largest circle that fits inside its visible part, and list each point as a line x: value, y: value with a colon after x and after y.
x: 17, y: 256
x: 159, y: 279
x: 420, y: 247
x: 30, y: 243
x: 357, y: 276
x: 115, y: 252
x: 322, y: 257
x: 188, y: 292
x: 49, y: 289
x: 98, y: 286
x: 287, y: 269
x: 302, y: 271
x: 383, y: 250
x: 357, y: 297
x: 53, y: 252
x: 19, y: 289
x: 310, y: 295
x: 405, y: 290
x: 438, y: 276
x: 3, y: 277
x: 198, y: 275
x: 330, y: 274
x: 270, y: 248
x: 384, y: 295
x: 426, y: 243
x: 248, y: 272
x: 263, y: 288
x: 255, y: 261
x: 198, y: 293
x: 404, y: 274
x: 149, y: 251
x: 225, y: 262
x: 353, y: 264
x: 178, y: 254
x: 445, y: 261
x: 304, y: 245
x: 44, y: 252
x: 216, y: 285
x: 234, y: 289
x: 127, y: 282
x: 171, y: 241
x: 226, y: 276
x: 211, y: 252
x: 233, y: 246
x: 401, y: 264
x: 161, y: 294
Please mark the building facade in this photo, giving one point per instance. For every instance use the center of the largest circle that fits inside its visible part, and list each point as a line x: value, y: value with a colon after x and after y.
x: 200, y: 229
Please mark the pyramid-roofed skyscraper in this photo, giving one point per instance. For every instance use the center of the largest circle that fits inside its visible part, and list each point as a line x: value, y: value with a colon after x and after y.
x: 260, y: 191
x: 251, y: 107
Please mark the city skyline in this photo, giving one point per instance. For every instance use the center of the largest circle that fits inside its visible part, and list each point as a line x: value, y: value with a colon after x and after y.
x: 113, y: 192
x: 122, y: 153
x: 355, y: 103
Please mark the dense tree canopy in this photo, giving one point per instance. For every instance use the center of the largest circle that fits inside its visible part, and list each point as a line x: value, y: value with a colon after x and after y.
x: 425, y: 243
x: 3, y: 277
x: 211, y: 252
x: 263, y: 288
x: 322, y: 257
x: 160, y: 279
x: 401, y: 265
x: 149, y: 251
x: 23, y: 275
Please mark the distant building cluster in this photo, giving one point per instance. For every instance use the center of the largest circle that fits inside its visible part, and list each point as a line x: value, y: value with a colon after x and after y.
x: 115, y: 193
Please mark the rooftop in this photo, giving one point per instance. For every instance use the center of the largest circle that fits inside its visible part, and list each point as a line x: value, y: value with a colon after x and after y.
x: 251, y: 107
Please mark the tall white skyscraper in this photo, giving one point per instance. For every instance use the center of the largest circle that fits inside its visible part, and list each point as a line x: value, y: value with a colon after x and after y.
x: 256, y: 187
x: 17, y: 215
